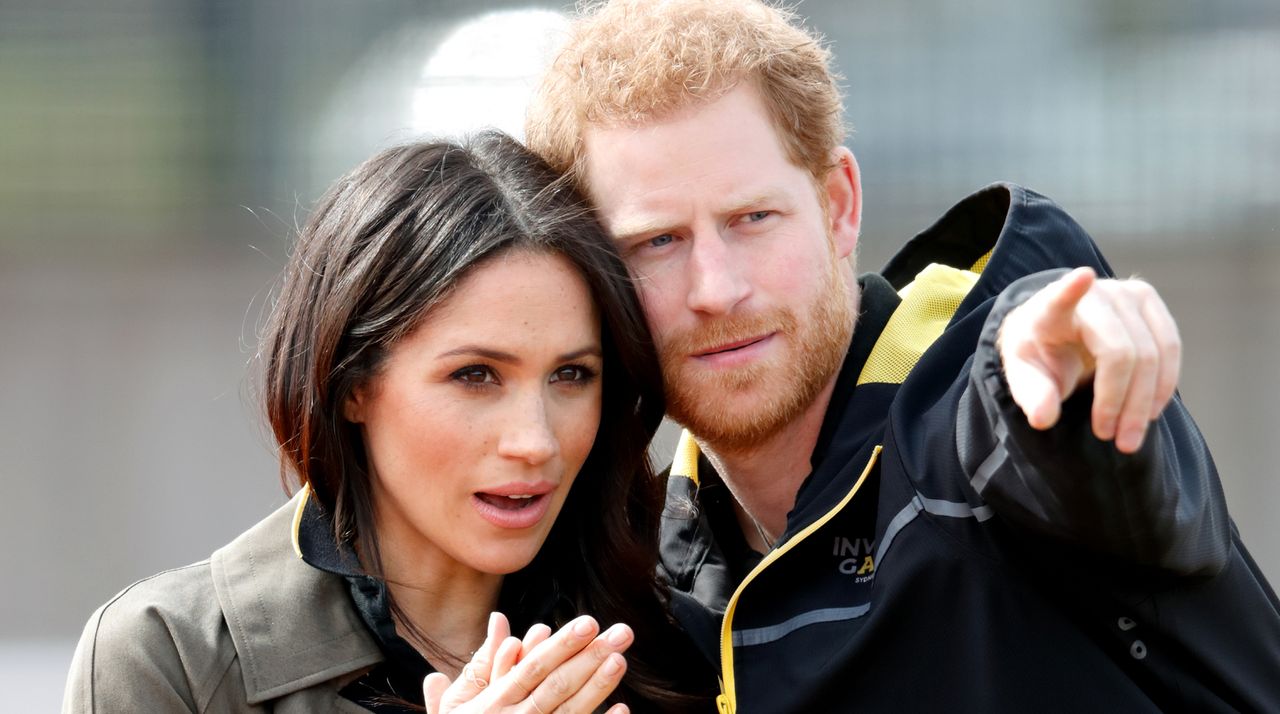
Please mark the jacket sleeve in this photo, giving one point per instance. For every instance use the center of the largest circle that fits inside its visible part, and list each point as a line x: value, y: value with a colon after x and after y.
x: 1161, y: 507
x: 127, y: 661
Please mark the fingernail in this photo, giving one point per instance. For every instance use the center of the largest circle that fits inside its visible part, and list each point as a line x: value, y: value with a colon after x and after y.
x: 582, y: 626
x: 612, y: 664
x: 617, y: 635
x: 1133, y: 439
x: 1109, y: 431
x: 493, y: 625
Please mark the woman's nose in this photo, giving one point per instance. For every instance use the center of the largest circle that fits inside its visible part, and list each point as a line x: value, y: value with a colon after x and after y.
x: 527, y: 435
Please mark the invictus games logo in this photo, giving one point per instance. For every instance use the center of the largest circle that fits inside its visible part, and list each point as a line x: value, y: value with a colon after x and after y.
x: 855, y: 556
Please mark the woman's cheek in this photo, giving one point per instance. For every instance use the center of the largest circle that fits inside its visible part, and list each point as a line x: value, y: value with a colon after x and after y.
x: 582, y: 429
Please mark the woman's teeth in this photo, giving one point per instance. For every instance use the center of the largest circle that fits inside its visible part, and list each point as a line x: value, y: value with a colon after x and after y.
x: 508, y: 502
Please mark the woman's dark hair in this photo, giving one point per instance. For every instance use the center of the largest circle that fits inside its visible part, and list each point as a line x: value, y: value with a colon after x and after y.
x: 390, y: 241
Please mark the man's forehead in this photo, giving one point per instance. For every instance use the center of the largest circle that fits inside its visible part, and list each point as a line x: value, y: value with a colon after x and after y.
x: 645, y: 125
x: 607, y: 166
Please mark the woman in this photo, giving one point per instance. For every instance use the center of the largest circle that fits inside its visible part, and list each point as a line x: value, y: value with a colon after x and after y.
x: 458, y: 375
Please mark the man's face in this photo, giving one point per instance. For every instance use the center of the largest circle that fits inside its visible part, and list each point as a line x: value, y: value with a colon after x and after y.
x: 739, y: 267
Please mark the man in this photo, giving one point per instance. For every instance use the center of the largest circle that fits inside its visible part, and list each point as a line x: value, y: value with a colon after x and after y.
x: 966, y: 482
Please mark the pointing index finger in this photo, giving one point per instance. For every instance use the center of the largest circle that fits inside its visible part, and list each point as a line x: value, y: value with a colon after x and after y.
x: 1064, y: 294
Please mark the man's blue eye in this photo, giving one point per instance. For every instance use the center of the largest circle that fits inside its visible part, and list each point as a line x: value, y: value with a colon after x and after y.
x: 659, y: 241
x: 757, y: 216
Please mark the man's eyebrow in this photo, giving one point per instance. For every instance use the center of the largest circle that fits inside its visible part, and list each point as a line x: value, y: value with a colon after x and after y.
x: 745, y: 202
x: 630, y: 231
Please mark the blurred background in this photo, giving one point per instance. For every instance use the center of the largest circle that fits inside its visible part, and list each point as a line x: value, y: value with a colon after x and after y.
x: 157, y: 155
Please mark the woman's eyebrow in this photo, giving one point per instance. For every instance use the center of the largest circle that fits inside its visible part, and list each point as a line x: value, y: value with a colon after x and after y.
x: 509, y: 358
x: 478, y: 351
x: 592, y: 351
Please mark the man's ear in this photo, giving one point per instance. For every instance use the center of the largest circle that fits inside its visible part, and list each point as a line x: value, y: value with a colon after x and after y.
x: 844, y: 201
x: 353, y: 407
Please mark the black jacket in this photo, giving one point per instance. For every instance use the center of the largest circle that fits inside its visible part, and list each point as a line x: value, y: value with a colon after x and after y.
x: 944, y: 555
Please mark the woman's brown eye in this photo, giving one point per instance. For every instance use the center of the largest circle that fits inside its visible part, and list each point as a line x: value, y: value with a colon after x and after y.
x: 474, y: 374
x: 573, y: 373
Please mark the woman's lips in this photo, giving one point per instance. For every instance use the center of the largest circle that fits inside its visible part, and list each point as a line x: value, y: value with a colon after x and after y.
x: 514, y: 505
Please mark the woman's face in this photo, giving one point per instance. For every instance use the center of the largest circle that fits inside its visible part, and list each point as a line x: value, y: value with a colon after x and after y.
x: 479, y: 419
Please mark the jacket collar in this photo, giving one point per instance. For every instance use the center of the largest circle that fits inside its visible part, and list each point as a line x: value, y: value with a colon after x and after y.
x: 1003, y: 231
x: 293, y: 625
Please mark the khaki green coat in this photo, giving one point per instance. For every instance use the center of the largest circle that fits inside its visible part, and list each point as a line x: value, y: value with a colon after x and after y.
x: 251, y: 629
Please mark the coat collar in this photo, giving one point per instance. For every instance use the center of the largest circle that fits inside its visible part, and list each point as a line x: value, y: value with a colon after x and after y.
x: 1004, y: 232
x: 293, y: 625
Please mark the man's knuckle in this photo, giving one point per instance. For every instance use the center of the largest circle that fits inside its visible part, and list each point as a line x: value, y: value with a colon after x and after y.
x: 1142, y: 290
x: 1107, y: 407
x: 1146, y: 355
x: 1117, y: 355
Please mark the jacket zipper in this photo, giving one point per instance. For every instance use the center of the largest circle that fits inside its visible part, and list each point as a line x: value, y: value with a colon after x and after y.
x: 727, y: 700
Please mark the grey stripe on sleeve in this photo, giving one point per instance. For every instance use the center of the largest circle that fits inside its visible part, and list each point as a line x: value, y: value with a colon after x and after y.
x: 953, y: 509
x: 994, y: 460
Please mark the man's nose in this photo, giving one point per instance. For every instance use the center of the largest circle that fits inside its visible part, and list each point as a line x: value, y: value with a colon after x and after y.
x: 717, y: 282
x: 527, y: 435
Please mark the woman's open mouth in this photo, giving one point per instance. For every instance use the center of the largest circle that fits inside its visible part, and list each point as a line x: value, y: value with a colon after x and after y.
x: 511, y: 508
x: 507, y: 503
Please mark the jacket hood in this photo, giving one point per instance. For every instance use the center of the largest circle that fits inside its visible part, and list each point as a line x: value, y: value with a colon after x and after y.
x: 971, y: 235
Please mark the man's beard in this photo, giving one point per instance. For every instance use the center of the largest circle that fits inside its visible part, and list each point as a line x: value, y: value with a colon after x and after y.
x: 704, y: 401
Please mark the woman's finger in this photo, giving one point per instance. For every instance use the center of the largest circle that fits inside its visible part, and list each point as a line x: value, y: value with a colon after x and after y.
x: 508, y: 654
x: 536, y: 666
x: 499, y: 630
x: 433, y: 688
x: 535, y: 636
x: 476, y: 674
x: 592, y: 693
x: 582, y: 683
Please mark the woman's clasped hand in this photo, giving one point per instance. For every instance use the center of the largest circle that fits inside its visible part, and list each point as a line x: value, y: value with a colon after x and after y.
x: 570, y: 671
